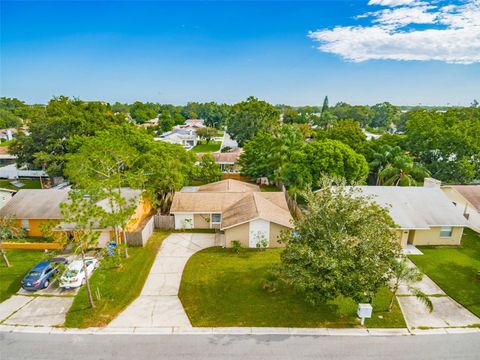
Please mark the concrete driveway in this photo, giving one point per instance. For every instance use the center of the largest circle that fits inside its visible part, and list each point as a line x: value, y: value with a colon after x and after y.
x: 158, y: 304
x: 446, y: 311
x: 35, y: 310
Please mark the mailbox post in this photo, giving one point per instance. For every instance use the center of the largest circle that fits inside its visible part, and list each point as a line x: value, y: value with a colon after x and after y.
x: 364, y: 311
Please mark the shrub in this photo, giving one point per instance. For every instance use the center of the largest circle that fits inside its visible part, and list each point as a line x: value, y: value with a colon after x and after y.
x: 236, y: 246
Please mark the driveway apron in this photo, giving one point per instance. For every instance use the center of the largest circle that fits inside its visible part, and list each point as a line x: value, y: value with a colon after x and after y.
x: 158, y: 304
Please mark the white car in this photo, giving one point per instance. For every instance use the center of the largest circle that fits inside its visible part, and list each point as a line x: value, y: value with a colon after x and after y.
x: 74, y: 276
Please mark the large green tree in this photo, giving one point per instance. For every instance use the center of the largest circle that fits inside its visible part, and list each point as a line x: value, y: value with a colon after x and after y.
x: 347, y: 131
x: 208, y: 170
x: 52, y: 129
x: 447, y: 143
x: 343, y: 245
x: 384, y: 115
x: 251, y: 117
x: 334, y: 158
x: 267, y: 154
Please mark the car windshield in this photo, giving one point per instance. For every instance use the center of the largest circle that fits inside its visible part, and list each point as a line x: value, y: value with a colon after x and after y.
x: 34, y: 273
x: 71, y: 273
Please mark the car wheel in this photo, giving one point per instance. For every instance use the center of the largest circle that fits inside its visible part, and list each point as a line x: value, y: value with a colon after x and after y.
x: 45, y: 284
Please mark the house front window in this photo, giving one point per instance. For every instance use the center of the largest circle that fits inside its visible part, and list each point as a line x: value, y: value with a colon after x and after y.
x: 25, y: 224
x: 446, y: 231
x: 216, y: 218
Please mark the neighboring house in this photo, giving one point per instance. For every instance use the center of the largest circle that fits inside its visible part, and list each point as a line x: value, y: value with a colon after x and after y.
x: 5, y: 157
x: 34, y: 208
x: 187, y: 138
x: 466, y: 199
x: 5, y: 196
x: 7, y: 134
x: 191, y: 124
x: 424, y: 215
x: 12, y: 172
x: 227, y: 161
x: 237, y: 209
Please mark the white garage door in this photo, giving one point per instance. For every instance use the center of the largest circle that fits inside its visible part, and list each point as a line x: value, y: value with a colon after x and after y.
x: 183, y: 221
x: 259, y: 230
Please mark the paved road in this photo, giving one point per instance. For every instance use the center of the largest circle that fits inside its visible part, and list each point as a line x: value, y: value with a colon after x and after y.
x: 18, y: 346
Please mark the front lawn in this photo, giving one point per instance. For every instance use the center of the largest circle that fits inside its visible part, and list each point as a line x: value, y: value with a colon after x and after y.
x: 203, y: 147
x: 455, y: 269
x: 21, y: 261
x: 115, y: 288
x: 220, y: 288
x: 29, y: 184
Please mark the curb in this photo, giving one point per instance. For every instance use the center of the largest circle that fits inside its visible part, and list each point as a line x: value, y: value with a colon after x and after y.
x: 256, y: 331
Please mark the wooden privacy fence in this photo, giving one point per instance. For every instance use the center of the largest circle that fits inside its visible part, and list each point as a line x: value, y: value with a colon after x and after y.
x: 164, y: 221
x: 292, y: 204
x: 31, y: 246
x: 142, y: 234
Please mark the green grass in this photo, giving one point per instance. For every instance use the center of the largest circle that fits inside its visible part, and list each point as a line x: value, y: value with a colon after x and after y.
x: 203, y: 147
x: 21, y: 261
x: 455, y: 269
x: 29, y: 184
x: 269, y: 188
x: 5, y: 143
x: 117, y: 287
x: 220, y: 288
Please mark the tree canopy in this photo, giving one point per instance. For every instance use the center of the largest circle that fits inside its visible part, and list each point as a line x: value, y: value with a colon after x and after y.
x: 343, y: 245
x: 251, y: 117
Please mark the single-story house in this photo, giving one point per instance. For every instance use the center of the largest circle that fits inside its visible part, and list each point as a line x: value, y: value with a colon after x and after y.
x: 33, y: 208
x: 191, y: 124
x: 5, y: 196
x: 227, y: 161
x: 238, y: 209
x: 5, y: 157
x: 424, y: 215
x: 187, y: 138
x: 466, y: 199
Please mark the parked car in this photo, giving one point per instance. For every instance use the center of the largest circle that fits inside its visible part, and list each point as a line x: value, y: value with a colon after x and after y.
x: 39, y: 277
x: 74, y: 275
x: 59, y: 260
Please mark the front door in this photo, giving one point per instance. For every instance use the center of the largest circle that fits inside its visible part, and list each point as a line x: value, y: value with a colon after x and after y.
x: 411, y: 236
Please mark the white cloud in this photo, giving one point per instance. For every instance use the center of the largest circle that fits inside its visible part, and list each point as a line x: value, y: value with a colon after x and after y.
x: 393, y: 2
x: 453, y: 35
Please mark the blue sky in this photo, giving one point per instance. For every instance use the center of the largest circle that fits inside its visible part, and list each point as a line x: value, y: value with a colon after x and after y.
x: 225, y: 51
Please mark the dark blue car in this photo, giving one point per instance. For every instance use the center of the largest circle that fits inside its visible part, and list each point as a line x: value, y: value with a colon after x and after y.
x: 39, y: 276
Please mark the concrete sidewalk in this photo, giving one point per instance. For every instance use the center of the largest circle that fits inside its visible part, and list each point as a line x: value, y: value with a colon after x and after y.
x: 158, y: 304
x: 446, y: 311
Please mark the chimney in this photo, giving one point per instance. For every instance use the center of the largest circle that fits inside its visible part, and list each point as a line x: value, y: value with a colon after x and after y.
x: 431, y: 183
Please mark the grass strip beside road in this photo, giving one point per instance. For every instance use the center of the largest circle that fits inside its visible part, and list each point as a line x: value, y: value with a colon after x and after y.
x: 115, y: 288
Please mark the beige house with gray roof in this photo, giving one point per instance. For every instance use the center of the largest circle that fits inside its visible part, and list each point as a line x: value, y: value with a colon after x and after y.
x: 236, y: 208
x: 424, y: 215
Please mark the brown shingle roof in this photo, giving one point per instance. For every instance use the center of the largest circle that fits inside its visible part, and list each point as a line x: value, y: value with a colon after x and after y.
x: 229, y: 185
x: 226, y: 157
x: 256, y: 205
x: 469, y: 192
x: 205, y: 202
x: 239, y: 202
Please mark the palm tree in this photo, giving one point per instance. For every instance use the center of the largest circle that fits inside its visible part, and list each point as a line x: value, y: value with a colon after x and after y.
x: 395, y: 167
x: 403, y: 273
